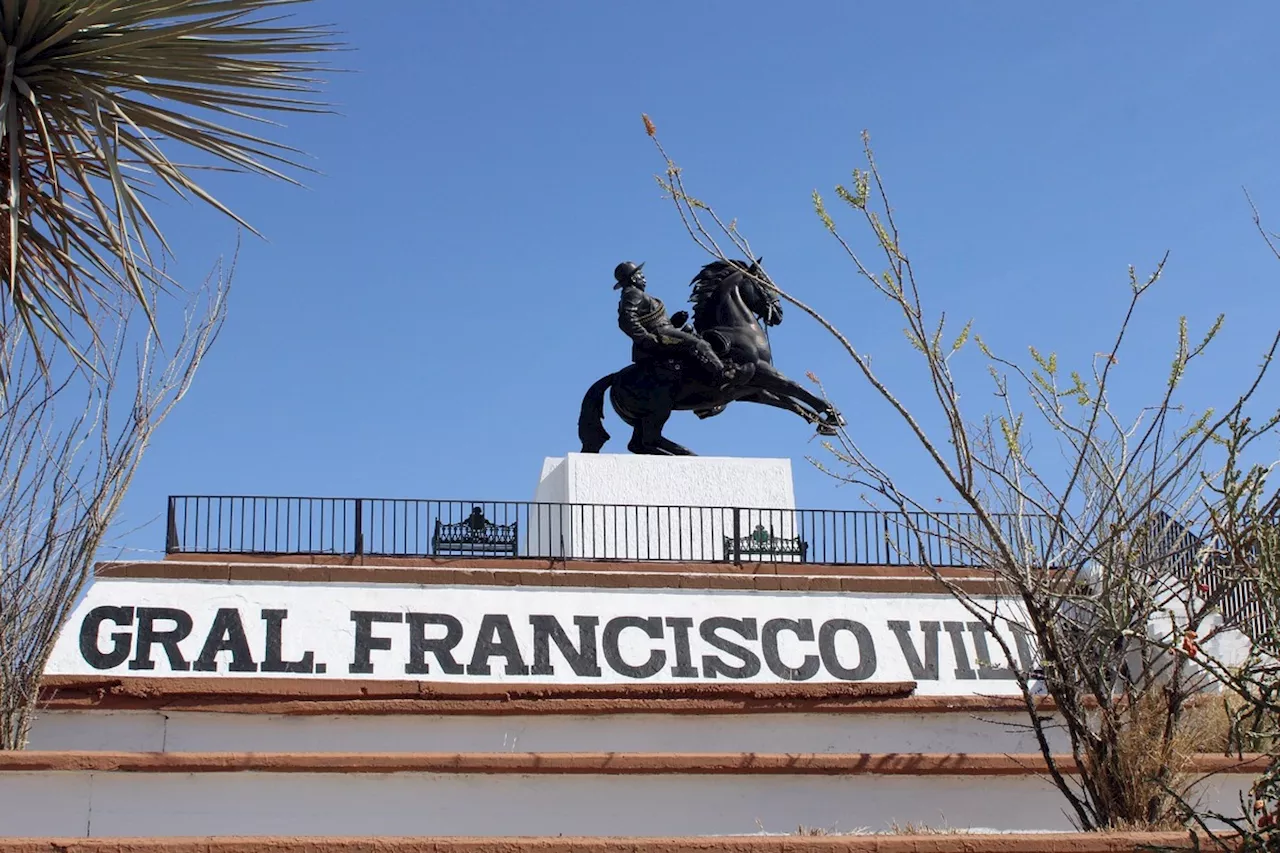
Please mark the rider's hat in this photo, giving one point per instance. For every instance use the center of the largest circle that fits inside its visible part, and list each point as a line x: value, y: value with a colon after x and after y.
x: 623, y: 272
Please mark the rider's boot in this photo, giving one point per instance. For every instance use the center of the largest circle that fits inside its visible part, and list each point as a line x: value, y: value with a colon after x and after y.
x: 720, y: 373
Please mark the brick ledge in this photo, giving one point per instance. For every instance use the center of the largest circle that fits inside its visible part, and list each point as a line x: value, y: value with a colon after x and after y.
x: 362, y: 697
x: 1057, y: 842
x: 575, y: 763
x: 780, y: 577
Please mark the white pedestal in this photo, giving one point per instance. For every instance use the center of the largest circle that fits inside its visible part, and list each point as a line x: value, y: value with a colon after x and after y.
x: 598, y: 506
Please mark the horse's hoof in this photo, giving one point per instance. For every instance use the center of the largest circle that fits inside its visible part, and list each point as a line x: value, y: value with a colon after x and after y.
x: 827, y: 429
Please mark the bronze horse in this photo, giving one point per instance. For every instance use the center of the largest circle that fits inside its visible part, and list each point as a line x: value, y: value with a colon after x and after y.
x: 730, y: 301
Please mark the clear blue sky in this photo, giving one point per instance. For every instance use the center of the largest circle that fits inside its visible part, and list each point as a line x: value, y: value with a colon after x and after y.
x: 424, y: 317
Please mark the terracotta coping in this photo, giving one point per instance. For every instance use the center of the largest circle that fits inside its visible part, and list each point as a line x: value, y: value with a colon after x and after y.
x: 575, y: 763
x: 311, y: 697
x: 749, y: 566
x: 607, y: 575
x: 1056, y: 842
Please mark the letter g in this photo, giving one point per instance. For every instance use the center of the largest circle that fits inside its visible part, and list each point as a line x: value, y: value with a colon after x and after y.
x: 121, y: 640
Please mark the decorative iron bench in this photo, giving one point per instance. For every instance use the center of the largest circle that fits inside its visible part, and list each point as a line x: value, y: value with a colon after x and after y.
x: 475, y: 535
x: 760, y: 544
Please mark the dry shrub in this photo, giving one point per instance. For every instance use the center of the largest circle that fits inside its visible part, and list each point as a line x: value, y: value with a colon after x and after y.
x: 910, y: 828
x: 820, y: 831
x: 1227, y: 724
x: 811, y: 831
x: 1147, y: 779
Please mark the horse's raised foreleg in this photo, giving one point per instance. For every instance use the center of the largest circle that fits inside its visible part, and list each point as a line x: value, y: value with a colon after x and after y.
x: 769, y: 398
x: 768, y: 378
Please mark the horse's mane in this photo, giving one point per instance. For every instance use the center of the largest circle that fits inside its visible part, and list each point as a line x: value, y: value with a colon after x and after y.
x: 708, y: 281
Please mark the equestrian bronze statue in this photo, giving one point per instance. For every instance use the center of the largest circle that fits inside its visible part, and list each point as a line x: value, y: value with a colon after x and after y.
x: 724, y: 356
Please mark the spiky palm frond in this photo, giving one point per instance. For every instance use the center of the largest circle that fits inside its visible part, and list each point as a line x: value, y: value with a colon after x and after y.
x: 97, y: 97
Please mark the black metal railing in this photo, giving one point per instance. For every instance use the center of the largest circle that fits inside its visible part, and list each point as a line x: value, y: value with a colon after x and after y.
x: 511, y: 529
x: 508, y: 529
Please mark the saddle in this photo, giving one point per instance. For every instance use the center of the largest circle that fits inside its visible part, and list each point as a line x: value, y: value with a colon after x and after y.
x: 718, y: 340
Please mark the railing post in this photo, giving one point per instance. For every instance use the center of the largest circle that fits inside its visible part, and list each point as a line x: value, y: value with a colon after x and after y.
x: 171, y: 528
x: 737, y: 536
x: 359, y: 537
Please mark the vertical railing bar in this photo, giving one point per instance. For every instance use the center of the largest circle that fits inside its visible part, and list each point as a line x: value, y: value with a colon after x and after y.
x: 359, y: 526
x: 737, y: 537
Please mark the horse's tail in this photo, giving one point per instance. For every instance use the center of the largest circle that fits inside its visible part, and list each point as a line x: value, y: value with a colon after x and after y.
x: 591, y: 419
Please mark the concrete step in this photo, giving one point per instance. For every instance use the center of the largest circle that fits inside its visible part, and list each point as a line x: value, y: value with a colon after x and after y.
x: 159, y: 715
x: 179, y: 731
x: 114, y: 794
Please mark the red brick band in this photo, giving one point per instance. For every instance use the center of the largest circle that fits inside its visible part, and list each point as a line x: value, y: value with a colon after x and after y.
x: 352, y: 697
x: 593, y: 575
x: 575, y: 763
x: 1092, y: 842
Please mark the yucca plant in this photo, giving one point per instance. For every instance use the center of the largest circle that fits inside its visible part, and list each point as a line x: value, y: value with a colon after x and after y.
x: 98, y: 97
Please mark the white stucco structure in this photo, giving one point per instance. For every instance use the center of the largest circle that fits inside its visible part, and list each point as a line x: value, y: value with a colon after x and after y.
x: 614, y: 478
x: 686, y: 501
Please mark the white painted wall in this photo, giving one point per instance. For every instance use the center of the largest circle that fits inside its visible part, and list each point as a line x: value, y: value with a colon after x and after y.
x: 149, y: 731
x: 186, y: 804
x: 874, y: 637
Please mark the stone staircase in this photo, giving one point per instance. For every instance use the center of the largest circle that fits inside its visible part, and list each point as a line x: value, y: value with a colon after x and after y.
x: 313, y: 702
x: 157, y: 757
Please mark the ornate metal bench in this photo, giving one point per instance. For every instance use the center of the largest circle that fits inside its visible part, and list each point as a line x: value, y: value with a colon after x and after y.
x: 761, y: 544
x: 475, y: 535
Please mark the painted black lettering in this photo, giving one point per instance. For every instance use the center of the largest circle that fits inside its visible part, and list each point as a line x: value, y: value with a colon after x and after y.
x: 964, y: 670
x: 226, y: 634
x: 496, y: 640
x: 712, y: 666
x: 927, y: 671
x: 121, y: 641
x: 803, y: 630
x: 441, y: 647
x: 1026, y: 647
x: 982, y: 653
x: 830, y: 657
x: 148, y: 636
x: 273, y: 660
x: 684, y: 667
x: 366, y: 643
x: 652, y: 626
x: 582, y: 660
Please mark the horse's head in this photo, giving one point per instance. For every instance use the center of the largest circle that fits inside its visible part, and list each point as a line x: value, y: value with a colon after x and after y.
x: 753, y: 286
x: 759, y: 293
